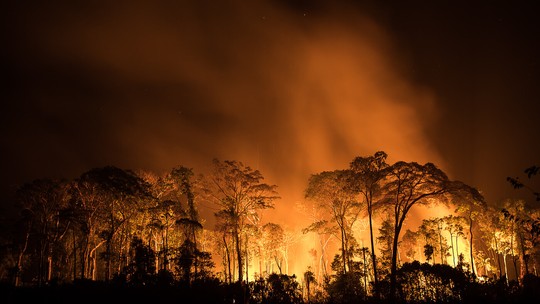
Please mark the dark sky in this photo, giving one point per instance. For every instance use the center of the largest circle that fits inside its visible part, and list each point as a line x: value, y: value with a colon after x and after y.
x: 289, y: 87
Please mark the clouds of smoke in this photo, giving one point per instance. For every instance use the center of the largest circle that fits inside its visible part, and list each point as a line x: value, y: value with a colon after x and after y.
x: 289, y: 92
x: 154, y: 86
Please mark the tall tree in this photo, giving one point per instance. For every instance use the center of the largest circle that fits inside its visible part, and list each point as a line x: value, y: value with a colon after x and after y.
x: 528, y: 232
x: 436, y: 225
x: 120, y: 190
x: 331, y: 191
x: 45, y: 199
x: 239, y: 192
x: 187, y: 186
x: 454, y: 225
x: 410, y: 184
x: 470, y: 204
x: 496, y: 237
x: 409, y: 244
x: 428, y: 232
x: 367, y: 175
x: 273, y: 237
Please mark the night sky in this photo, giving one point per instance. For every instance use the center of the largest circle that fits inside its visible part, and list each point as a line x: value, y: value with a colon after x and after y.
x: 289, y: 87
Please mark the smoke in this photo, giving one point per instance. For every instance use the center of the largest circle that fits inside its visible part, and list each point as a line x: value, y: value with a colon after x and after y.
x: 151, y: 86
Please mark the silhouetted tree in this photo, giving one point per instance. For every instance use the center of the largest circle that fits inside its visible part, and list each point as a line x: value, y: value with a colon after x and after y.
x: 273, y: 241
x: 454, y: 225
x: 345, y: 288
x: 142, y: 269
x: 239, y: 192
x: 425, y: 283
x: 309, y: 279
x: 528, y: 223
x: 331, y: 191
x: 120, y: 190
x: 518, y: 184
x: 325, y: 232
x: 275, y: 289
x: 411, y: 184
x: 194, y: 264
x: 385, y: 240
x: 367, y: 175
x: 409, y: 244
x: 470, y: 203
x: 45, y: 199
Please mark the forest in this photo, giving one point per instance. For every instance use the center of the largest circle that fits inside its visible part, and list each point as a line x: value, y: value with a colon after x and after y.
x: 115, y: 234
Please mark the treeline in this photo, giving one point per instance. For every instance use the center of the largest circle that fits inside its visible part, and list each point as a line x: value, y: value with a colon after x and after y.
x: 133, y: 229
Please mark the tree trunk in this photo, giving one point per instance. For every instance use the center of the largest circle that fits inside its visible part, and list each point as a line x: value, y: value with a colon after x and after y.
x: 441, y: 247
x: 20, y: 258
x: 247, y: 258
x: 238, y: 254
x: 471, y: 245
x: 522, y: 257
x: 373, y: 257
x: 343, y: 251
x: 74, y: 254
x: 457, y: 246
x: 453, y: 248
x: 505, y: 269
x: 498, y: 257
x: 228, y: 257
x: 49, y: 267
x: 393, y: 269
x: 365, y: 270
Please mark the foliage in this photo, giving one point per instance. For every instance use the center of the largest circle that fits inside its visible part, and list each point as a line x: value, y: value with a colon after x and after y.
x: 518, y: 184
x: 430, y: 283
x: 239, y: 192
x: 193, y: 264
x: 346, y: 288
x: 141, y: 271
x: 276, y: 288
x: 145, y: 231
x: 367, y: 174
x: 331, y: 192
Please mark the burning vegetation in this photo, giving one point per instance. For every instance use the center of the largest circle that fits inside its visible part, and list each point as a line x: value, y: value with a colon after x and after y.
x: 139, y: 229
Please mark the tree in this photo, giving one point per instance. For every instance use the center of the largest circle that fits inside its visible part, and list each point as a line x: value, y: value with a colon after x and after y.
x: 518, y: 184
x: 470, y: 203
x: 309, y: 278
x: 331, y: 191
x: 141, y: 271
x: 385, y: 240
x: 239, y: 193
x: 273, y: 237
x: 45, y: 199
x: 119, y: 190
x: 435, y: 226
x: 160, y: 216
x: 409, y: 244
x: 427, y: 230
x: 187, y: 186
x: 528, y: 231
x: 367, y: 175
x: 410, y: 184
x: 325, y: 233
x: 454, y: 225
